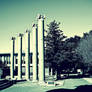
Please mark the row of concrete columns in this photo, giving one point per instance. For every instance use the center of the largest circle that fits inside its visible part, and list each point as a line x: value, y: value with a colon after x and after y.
x: 37, y: 50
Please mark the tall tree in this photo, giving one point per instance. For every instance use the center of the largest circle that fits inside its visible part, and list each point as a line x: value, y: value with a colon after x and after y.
x: 67, y: 58
x: 60, y: 52
x: 54, y: 41
x: 85, y: 49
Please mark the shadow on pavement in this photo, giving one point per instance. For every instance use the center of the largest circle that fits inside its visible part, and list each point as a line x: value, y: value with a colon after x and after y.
x: 85, y: 88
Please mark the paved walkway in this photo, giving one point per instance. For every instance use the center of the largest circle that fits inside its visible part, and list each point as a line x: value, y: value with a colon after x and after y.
x: 74, y: 83
x: 32, y: 87
x: 88, y: 79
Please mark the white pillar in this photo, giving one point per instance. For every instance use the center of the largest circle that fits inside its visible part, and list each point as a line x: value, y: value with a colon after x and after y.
x: 41, y: 48
x: 27, y: 52
x: 35, y: 51
x: 51, y: 71
x: 12, y: 57
x: 3, y: 59
x: 20, y: 56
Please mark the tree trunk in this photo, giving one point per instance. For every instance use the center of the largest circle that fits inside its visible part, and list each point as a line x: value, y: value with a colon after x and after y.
x: 58, y: 74
x: 50, y: 71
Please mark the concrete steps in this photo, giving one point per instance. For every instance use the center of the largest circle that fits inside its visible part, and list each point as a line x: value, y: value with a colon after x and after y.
x: 5, y: 84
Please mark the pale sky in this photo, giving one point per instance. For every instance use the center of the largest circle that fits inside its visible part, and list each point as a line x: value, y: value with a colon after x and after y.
x: 18, y: 15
